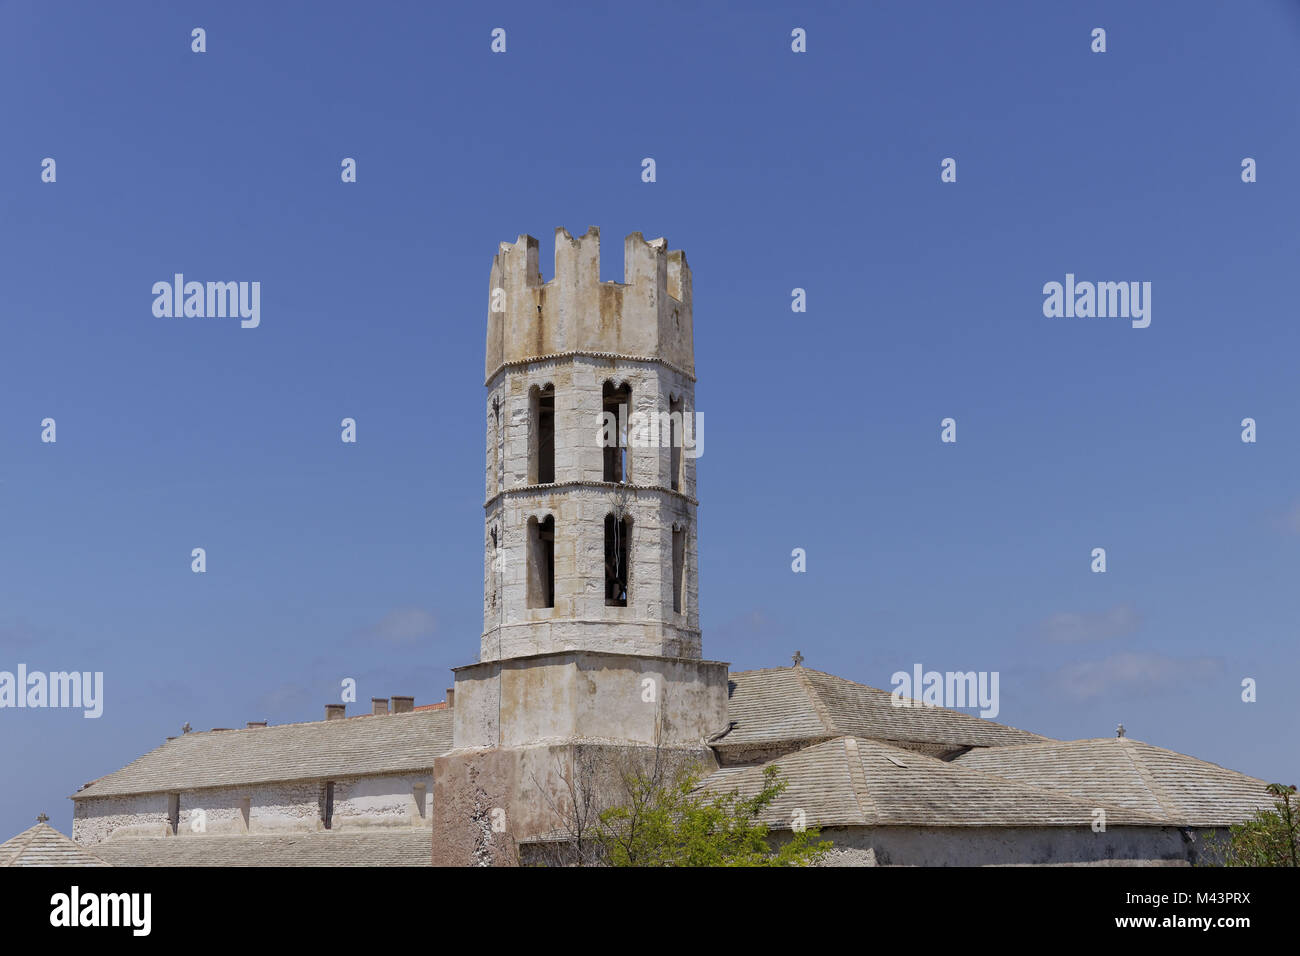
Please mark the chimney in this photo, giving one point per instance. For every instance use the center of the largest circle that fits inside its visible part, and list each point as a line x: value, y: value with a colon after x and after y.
x: 403, y: 705
x: 335, y: 711
x: 379, y: 706
x: 451, y: 695
x: 257, y: 723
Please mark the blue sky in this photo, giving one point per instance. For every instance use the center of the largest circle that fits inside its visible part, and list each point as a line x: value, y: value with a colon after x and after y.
x: 775, y: 170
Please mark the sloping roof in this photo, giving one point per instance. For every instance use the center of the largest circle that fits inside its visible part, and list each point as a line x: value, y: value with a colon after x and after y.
x: 42, y: 845
x: 851, y: 781
x: 1129, y: 773
x: 407, y: 846
x: 392, y: 743
x: 798, y: 703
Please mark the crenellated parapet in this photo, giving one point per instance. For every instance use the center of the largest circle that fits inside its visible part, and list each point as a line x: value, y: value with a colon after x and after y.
x: 647, y: 314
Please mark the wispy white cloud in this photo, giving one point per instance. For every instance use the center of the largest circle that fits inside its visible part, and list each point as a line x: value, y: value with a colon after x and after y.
x: 401, y: 627
x: 1131, y: 672
x: 15, y: 636
x: 1070, y: 628
x: 1291, y: 519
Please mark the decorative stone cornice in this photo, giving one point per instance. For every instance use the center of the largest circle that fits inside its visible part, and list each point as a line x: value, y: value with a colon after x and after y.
x: 581, y: 353
x: 524, y: 490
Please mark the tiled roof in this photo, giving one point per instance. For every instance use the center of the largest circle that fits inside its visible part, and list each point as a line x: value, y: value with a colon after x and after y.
x: 851, y: 781
x: 42, y: 845
x: 392, y: 743
x: 407, y: 846
x: 1129, y: 773
x: 798, y: 703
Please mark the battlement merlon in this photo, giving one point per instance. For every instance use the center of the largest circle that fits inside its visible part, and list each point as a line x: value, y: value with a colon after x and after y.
x: 648, y: 314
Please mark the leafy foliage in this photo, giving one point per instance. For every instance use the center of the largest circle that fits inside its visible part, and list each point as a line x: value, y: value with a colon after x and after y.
x: 670, y: 821
x: 1272, y: 838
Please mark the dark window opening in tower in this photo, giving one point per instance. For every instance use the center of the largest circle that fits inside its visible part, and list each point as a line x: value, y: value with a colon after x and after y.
x: 541, y: 440
x: 617, y: 401
x: 496, y: 565
x: 675, y: 443
x: 679, y: 569
x: 496, y: 443
x: 541, y: 562
x: 618, y: 535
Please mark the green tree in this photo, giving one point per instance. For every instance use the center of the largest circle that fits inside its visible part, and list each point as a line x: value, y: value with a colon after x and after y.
x: 671, y: 821
x: 1272, y: 838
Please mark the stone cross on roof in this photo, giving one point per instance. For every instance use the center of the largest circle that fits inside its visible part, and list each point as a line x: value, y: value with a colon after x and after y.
x: 42, y: 818
x: 798, y: 659
x: 1119, y: 731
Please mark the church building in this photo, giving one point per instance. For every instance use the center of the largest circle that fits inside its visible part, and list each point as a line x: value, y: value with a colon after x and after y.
x: 591, y: 660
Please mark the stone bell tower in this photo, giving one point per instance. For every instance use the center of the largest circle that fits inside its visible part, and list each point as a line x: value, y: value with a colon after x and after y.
x: 591, y: 634
x: 590, y: 513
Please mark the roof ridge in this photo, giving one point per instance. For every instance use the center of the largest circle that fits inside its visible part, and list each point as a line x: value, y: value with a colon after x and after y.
x: 13, y: 847
x: 815, y: 698
x: 1207, y: 763
x: 422, y: 709
x: 858, y: 782
x: 1057, y: 795
x: 1157, y: 792
x: 56, y: 841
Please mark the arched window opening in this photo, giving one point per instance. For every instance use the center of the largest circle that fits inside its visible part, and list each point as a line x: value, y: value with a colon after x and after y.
x: 496, y: 443
x: 618, y: 536
x: 616, y: 400
x: 675, y: 426
x: 541, y: 562
x: 679, y: 569
x: 541, y: 435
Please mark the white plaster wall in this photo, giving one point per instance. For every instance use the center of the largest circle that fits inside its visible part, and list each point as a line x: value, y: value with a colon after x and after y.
x: 383, y: 800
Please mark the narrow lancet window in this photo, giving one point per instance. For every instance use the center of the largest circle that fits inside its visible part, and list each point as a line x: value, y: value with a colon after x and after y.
x: 541, y: 435
x: 616, y: 401
x: 618, y: 534
x: 541, y: 562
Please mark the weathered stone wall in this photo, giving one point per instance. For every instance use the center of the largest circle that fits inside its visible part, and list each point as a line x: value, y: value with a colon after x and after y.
x: 491, y: 800
x: 649, y: 313
x: 588, y: 695
x: 579, y: 500
x: 280, y: 807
